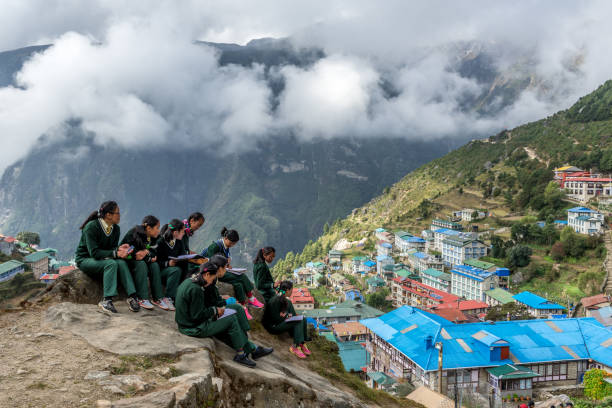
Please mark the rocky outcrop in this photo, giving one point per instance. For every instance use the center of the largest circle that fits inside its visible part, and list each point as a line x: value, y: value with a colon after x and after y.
x: 204, y: 373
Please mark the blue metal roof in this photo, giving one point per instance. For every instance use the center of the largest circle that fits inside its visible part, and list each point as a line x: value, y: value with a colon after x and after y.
x: 472, y: 272
x: 469, y: 344
x: 413, y: 239
x: 380, y: 230
x: 369, y: 263
x: 561, y: 222
x: 447, y: 231
x: 420, y: 255
x: 319, y: 326
x: 536, y: 302
x: 383, y: 258
x: 581, y: 210
x: 502, y: 272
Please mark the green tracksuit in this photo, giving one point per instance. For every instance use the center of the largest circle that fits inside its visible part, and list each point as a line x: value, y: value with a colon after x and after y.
x: 276, y: 324
x: 96, y: 255
x: 263, y: 280
x: 241, y: 283
x: 144, y: 267
x: 171, y: 275
x: 195, y: 318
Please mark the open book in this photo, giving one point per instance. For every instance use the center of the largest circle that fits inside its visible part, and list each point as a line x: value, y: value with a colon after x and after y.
x: 237, y: 271
x: 227, y: 312
x: 186, y: 257
x: 294, y: 318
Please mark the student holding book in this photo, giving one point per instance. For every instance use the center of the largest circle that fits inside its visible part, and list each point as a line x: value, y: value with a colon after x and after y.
x: 279, y: 317
x: 243, y: 288
x: 143, y: 238
x: 261, y: 273
x: 198, y: 315
x: 192, y: 224
x: 99, y: 254
x: 170, y: 245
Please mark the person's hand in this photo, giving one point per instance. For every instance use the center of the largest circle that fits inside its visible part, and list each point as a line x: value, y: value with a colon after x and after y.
x: 141, y: 254
x: 220, y: 311
x: 154, y: 259
x: 276, y: 284
x: 283, y: 314
x: 172, y: 262
x: 122, y: 251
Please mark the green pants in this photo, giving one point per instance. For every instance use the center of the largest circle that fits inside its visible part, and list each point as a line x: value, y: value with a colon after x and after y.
x: 171, y: 276
x: 227, y: 330
x: 241, y: 283
x: 140, y: 273
x: 267, y: 293
x: 298, y: 330
x: 109, y: 269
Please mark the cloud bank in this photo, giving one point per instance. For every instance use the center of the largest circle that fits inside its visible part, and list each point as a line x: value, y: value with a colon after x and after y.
x: 132, y: 75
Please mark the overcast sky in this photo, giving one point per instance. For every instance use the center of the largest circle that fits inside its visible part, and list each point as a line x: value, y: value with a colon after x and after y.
x: 130, y: 71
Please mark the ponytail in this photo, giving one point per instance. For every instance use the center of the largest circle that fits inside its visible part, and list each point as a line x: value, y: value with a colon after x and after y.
x: 259, y: 258
x: 209, y: 267
x: 105, y: 208
x: 283, y: 288
x: 232, y: 235
x: 167, y: 230
x: 150, y: 221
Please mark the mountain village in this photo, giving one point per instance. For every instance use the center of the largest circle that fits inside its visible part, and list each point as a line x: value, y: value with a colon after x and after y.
x: 439, y: 333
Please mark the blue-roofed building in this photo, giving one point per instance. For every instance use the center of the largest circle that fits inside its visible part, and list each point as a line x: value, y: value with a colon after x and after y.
x: 585, y: 221
x: 440, y: 235
x: 381, y: 262
x: 457, y: 249
x: 537, y: 305
x: 384, y: 248
x: 353, y: 294
x: 405, y: 242
x: 419, y: 261
x: 402, y: 344
x: 471, y: 282
x: 369, y: 266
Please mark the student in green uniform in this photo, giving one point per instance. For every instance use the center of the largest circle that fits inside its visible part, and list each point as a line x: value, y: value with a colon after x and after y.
x: 278, y: 309
x: 192, y: 224
x: 243, y: 288
x: 169, y: 245
x: 99, y: 254
x: 261, y: 273
x: 143, y: 238
x: 198, y: 315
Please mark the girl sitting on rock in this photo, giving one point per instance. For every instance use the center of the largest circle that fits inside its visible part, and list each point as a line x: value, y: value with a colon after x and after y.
x: 198, y: 315
x: 276, y: 317
x: 261, y: 273
x: 243, y: 288
x: 169, y: 245
x: 100, y: 255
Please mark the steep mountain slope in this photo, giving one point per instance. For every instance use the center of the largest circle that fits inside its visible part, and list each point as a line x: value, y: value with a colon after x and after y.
x: 517, y: 163
x: 280, y: 194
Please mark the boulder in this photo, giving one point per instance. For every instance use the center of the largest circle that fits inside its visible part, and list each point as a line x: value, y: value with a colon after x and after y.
x: 75, y: 287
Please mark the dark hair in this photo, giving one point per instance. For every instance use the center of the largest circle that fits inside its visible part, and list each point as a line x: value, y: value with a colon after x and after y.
x: 105, y: 208
x: 218, y: 260
x: 232, y: 235
x: 259, y: 258
x: 150, y: 221
x: 196, y: 216
x: 283, y: 288
x: 168, y: 229
x: 209, y: 267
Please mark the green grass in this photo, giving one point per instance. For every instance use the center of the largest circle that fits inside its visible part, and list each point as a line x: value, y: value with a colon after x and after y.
x: 322, y: 296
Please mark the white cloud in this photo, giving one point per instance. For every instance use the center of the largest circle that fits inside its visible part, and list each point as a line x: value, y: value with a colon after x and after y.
x: 131, y: 73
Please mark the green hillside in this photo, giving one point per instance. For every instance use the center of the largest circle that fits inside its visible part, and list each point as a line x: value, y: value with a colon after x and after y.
x: 506, y: 174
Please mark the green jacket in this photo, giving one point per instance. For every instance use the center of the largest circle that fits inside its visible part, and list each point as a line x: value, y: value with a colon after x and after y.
x: 274, y: 308
x: 164, y: 251
x: 212, y: 296
x: 96, y: 244
x: 140, y: 242
x: 191, y: 309
x: 262, y: 276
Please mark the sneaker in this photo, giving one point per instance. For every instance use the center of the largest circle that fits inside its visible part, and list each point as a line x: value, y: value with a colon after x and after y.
x: 297, y: 352
x: 170, y: 303
x: 246, y: 312
x: 255, y: 303
x: 107, y: 307
x: 133, y: 304
x: 261, y: 352
x: 243, y: 358
x: 161, y: 304
x: 145, y: 304
x: 305, y: 349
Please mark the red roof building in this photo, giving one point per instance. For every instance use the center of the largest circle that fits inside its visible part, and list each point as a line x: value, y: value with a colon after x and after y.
x: 466, y: 306
x: 66, y: 269
x: 593, y: 303
x: 452, y: 315
x: 302, y: 299
x: 407, y: 291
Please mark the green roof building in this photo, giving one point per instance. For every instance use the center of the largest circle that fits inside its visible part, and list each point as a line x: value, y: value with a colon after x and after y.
x: 9, y: 269
x: 436, y: 279
x: 498, y: 296
x: 476, y: 263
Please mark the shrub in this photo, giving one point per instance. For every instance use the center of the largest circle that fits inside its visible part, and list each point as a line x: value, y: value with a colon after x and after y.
x: 594, y: 385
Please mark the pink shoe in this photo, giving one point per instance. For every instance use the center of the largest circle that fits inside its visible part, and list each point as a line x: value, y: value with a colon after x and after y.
x: 297, y: 352
x: 305, y: 349
x: 255, y: 303
x: 248, y: 315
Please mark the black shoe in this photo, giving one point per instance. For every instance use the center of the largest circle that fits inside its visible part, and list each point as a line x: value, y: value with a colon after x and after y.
x: 133, y: 304
x: 261, y: 352
x: 107, y: 307
x: 243, y: 358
